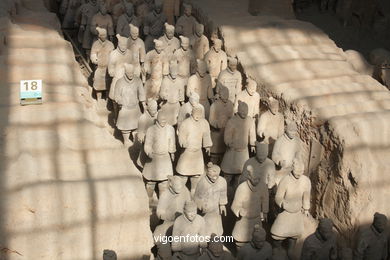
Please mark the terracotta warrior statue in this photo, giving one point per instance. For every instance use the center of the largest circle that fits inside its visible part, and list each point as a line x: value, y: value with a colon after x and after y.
x: 211, y: 198
x: 129, y: 94
x: 250, y: 96
x: 286, y: 148
x: 186, y: 109
x: 372, y: 242
x: 171, y: 204
x: 100, y: 54
x: 199, y: 42
x: 127, y: 18
x: 87, y: 11
x: 143, y: 8
x: 171, y: 43
x: 68, y: 10
x: 172, y: 93
x: 200, y: 83
x: 154, y: 24
x: 103, y: 20
x: 239, y: 134
x: 116, y: 69
x: 216, y: 60
x: 220, y: 112
x: 118, y: 9
x: 193, y: 134
x: 146, y: 120
x: 258, y: 248
x: 186, y: 23
x: 263, y: 166
x: 160, y: 147
x: 156, y: 66
x: 136, y: 47
x: 250, y: 206
x: 322, y: 244
x: 215, y: 250
x: 189, y: 224
x: 231, y: 79
x: 185, y: 58
x: 171, y: 10
x: 271, y: 123
x: 293, y: 198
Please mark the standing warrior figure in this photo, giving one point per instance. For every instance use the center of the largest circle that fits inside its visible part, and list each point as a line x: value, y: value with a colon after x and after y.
x: 190, y: 224
x: 186, y: 109
x: 116, y: 69
x: 87, y: 11
x: 199, y: 42
x: 127, y: 18
x: 160, y: 147
x: 220, y: 112
x: 250, y: 206
x: 186, y: 23
x: 171, y: 10
x: 193, y: 134
x: 321, y: 245
x: 172, y: 92
x: 239, y: 133
x: 118, y: 9
x: 200, y: 83
x: 185, y: 58
x: 171, y: 204
x: 68, y: 9
x: 129, y: 93
x: 211, y: 198
x: 216, y: 60
x: 258, y: 248
x: 271, y: 123
x: 145, y: 121
x: 143, y: 8
x: 156, y: 66
x: 231, y: 79
x: 372, y: 242
x: 171, y: 43
x: 293, y: 197
x: 285, y: 150
x: 250, y: 96
x: 154, y: 24
x: 100, y: 54
x: 136, y: 47
x: 103, y: 20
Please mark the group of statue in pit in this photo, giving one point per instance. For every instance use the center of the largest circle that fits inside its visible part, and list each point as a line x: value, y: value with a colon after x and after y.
x: 178, y: 96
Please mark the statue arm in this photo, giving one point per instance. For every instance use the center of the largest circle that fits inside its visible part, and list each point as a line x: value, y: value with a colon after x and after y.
x: 182, y: 135
x: 223, y: 192
x: 306, y: 196
x: 172, y: 141
x: 264, y: 200
x: 280, y: 192
x: 252, y: 133
x: 271, y: 176
x: 237, y: 202
x: 206, y: 135
x: 141, y: 93
x: 142, y: 53
x: 111, y: 65
x: 94, y: 54
x: 229, y: 133
x: 148, y: 142
x: 261, y: 125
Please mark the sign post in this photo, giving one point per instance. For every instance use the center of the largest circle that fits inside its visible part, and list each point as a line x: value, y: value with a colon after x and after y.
x: 30, y: 92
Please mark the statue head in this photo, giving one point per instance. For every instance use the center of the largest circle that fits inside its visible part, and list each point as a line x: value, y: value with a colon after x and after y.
x: 217, y: 45
x: 187, y: 9
x: 161, y: 119
x: 152, y: 106
x: 325, y: 228
x: 169, y: 31
x: 129, y: 70
x: 199, y: 29
x: 102, y: 33
x: 194, y: 99
x: 197, y: 113
x: 109, y: 254
x: 380, y: 222
x: 232, y: 63
x: 251, y: 87
x: 242, y: 109
x: 158, y: 46
x: 201, y: 67
x: 190, y: 210
x: 122, y: 43
x: 213, y: 172
x: 173, y: 69
x: 129, y: 9
x: 297, y: 168
x: 291, y: 129
x: 134, y: 32
x: 258, y: 237
x: 252, y: 176
x: 102, y: 8
x: 273, y: 105
x: 224, y: 94
x: 261, y: 152
x: 215, y: 248
x: 158, y: 6
x: 175, y: 183
x: 184, y: 42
